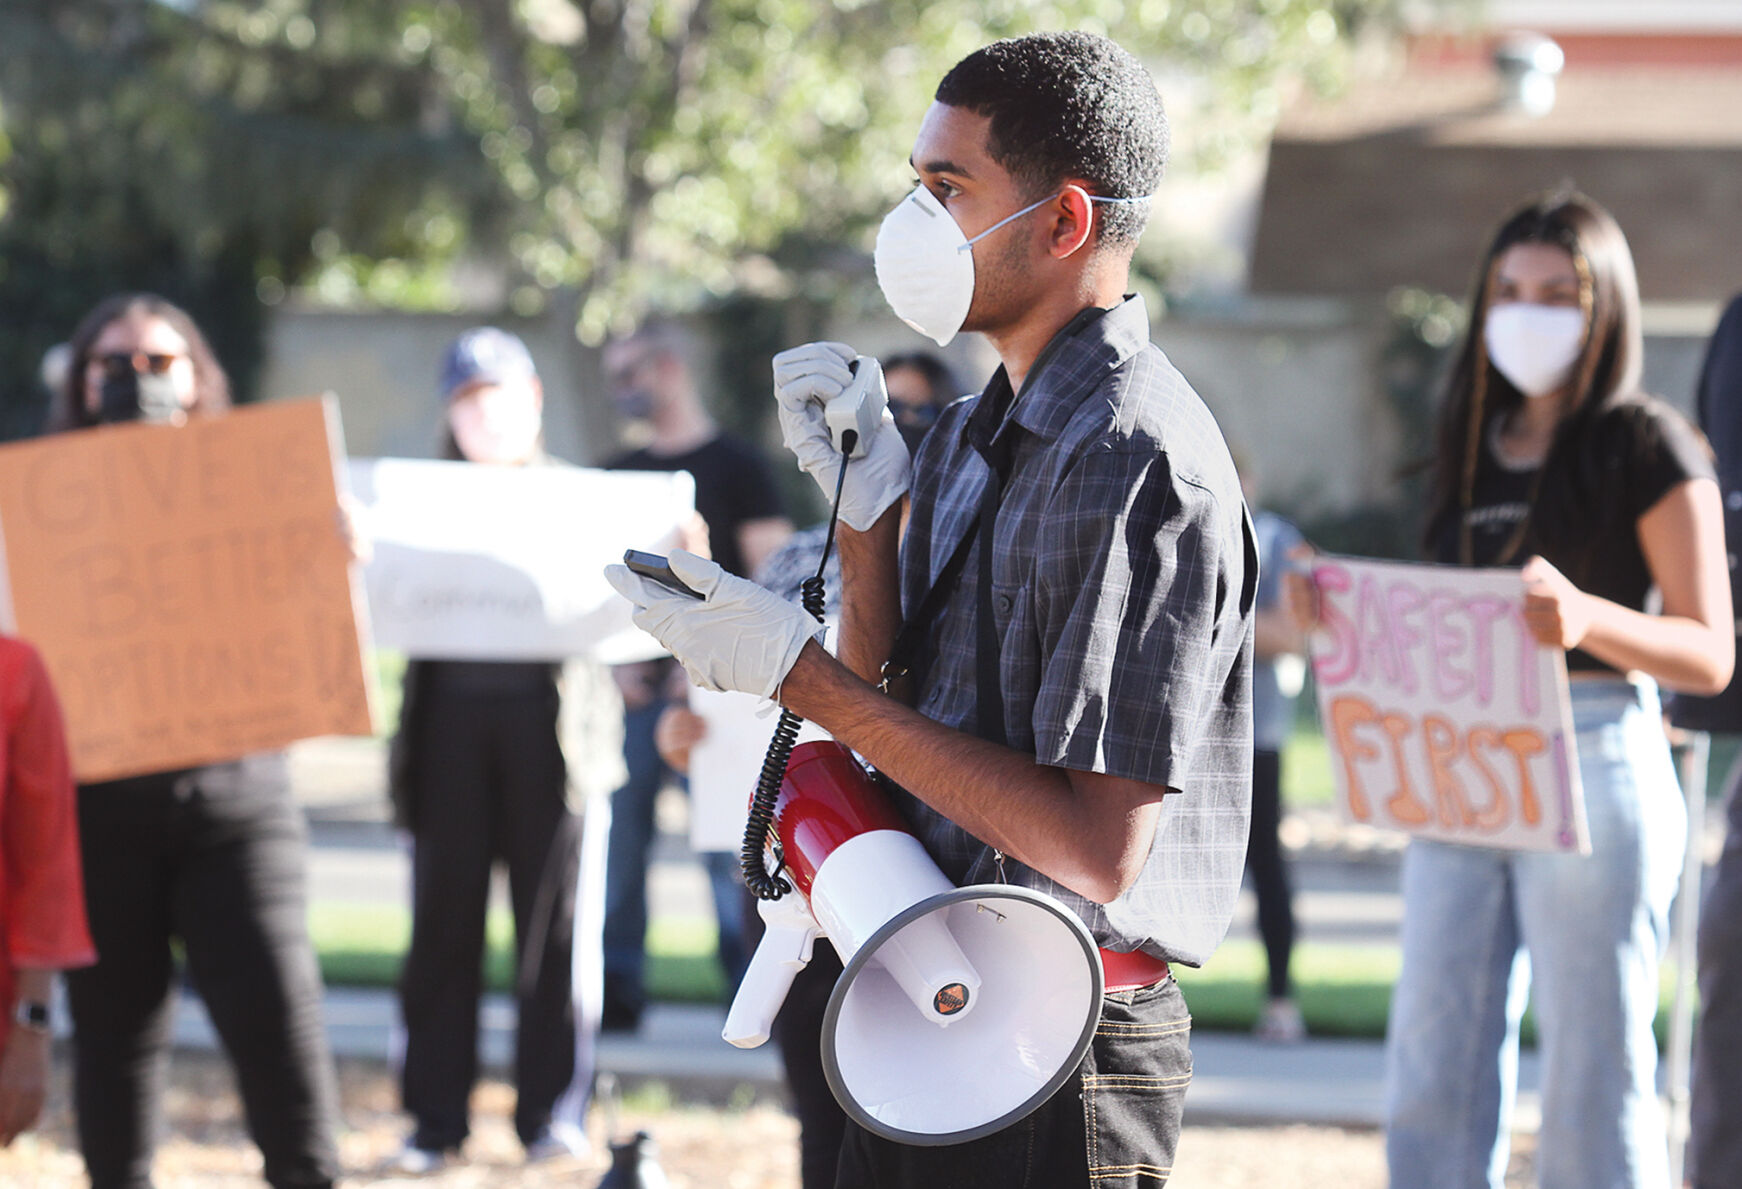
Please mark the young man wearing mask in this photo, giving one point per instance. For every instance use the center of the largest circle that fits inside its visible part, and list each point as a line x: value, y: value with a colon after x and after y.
x: 1109, y: 763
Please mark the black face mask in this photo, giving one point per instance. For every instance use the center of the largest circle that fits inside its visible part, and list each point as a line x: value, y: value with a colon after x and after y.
x: 131, y: 396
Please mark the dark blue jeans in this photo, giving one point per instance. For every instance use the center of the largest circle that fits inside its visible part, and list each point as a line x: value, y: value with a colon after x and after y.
x: 632, y: 831
x: 1115, y: 1122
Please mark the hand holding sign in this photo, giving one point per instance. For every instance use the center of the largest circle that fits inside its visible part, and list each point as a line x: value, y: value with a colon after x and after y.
x: 1557, y: 612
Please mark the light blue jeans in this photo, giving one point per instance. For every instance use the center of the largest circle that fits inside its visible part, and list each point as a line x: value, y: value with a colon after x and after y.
x: 1483, y: 929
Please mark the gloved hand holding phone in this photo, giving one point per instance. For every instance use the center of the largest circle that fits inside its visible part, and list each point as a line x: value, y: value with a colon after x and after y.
x: 734, y: 636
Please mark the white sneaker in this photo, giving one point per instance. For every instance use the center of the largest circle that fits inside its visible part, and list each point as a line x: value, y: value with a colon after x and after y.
x: 559, y: 1141
x: 413, y: 1161
x: 1281, y: 1023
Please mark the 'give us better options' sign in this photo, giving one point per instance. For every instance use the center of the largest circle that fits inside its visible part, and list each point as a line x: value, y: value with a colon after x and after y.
x: 1445, y: 717
x: 189, y: 589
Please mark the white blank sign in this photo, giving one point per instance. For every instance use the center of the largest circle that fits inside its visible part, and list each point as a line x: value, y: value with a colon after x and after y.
x: 474, y: 562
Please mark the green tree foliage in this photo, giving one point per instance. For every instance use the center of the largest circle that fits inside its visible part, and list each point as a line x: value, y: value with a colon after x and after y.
x: 629, y: 152
x: 661, y: 149
x: 199, y: 151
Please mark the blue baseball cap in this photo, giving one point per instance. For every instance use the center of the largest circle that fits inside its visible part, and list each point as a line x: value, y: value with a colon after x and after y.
x: 488, y: 355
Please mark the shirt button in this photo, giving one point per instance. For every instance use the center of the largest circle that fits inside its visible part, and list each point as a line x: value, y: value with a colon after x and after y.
x: 1733, y: 500
x: 1003, y: 603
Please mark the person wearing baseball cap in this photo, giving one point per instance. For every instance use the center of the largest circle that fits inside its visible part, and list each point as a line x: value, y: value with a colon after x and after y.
x: 477, y: 774
x: 495, y: 403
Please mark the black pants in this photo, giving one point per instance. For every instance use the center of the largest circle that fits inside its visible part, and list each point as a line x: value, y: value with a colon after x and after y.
x: 1115, y: 1123
x: 1714, y: 1156
x: 1269, y: 872
x: 215, y: 859
x: 488, y: 784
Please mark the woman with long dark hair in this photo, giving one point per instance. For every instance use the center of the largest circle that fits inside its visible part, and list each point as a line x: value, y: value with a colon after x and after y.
x: 211, y: 859
x: 1550, y: 458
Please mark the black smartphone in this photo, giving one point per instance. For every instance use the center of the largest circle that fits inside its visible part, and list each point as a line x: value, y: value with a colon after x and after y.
x: 651, y: 565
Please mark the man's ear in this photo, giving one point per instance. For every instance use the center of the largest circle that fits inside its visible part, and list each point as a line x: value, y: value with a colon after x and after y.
x: 1073, y: 226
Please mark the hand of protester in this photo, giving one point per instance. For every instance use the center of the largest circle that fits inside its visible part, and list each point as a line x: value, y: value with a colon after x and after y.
x: 1557, y: 613
x: 678, y: 730
x: 736, y: 636
x: 692, y: 535
x: 1300, y: 594
x: 358, y: 543
x: 23, y: 1081
x: 637, y: 683
x: 805, y: 379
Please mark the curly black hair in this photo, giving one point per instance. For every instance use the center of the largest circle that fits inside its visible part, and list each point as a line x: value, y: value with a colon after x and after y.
x: 1069, y: 105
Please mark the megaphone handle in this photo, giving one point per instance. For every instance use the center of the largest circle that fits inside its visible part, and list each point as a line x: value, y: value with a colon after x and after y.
x: 785, y: 950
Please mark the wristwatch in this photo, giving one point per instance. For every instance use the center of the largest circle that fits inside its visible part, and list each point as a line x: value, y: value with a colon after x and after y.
x: 33, y: 1016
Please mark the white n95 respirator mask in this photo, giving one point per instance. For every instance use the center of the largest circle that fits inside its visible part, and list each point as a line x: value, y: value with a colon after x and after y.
x: 1534, y: 346
x: 925, y: 265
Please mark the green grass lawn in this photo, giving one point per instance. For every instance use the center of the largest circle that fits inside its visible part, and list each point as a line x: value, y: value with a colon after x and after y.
x: 1344, y: 990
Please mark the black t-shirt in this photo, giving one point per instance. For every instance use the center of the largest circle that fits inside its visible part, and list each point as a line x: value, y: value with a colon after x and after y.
x: 733, y: 485
x: 1640, y: 448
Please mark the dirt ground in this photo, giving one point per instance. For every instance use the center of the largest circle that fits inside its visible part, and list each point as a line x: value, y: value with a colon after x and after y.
x: 750, y: 1146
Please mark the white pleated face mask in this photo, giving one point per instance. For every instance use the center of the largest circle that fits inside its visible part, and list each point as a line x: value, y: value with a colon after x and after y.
x: 1534, y: 346
x: 925, y: 265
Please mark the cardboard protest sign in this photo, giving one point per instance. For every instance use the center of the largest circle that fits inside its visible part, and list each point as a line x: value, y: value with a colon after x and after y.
x: 507, y: 563
x: 1445, y: 717
x: 189, y: 587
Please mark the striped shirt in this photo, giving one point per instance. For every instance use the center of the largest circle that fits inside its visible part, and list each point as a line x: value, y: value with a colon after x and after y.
x: 1123, y: 586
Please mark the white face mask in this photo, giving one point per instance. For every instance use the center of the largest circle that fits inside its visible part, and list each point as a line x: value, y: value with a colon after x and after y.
x: 1534, y: 346
x: 925, y: 265
x: 498, y: 425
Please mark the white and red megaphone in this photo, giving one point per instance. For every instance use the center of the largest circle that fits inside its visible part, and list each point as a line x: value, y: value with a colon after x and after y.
x: 959, y: 1010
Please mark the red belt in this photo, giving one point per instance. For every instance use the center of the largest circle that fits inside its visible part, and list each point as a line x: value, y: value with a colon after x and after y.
x: 1126, y: 972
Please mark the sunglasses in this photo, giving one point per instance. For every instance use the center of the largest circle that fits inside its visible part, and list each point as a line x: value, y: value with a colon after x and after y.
x: 119, y: 364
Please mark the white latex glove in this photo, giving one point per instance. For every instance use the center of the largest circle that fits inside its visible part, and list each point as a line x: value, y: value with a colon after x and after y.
x: 805, y: 379
x: 737, y: 636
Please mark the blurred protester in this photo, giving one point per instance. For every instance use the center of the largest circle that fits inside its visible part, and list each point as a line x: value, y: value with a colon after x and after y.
x: 1278, y: 670
x: 1550, y: 456
x: 1714, y: 1153
x: 653, y: 383
x: 919, y: 385
x: 478, y: 775
x: 42, y: 899
x: 210, y: 858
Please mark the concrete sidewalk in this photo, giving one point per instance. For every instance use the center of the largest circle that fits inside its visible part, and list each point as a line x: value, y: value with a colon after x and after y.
x: 1346, y: 891
x: 1236, y: 1080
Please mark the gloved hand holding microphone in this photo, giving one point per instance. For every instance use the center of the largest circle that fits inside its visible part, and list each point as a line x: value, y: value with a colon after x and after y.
x: 728, y: 633
x: 820, y: 394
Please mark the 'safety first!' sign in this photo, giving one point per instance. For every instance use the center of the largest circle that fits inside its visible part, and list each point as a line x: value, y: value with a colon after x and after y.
x: 1445, y: 717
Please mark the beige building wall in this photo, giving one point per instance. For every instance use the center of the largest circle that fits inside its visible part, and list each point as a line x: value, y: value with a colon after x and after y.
x: 1294, y: 383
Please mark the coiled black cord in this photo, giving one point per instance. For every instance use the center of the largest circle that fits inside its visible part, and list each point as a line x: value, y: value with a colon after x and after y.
x: 765, y: 884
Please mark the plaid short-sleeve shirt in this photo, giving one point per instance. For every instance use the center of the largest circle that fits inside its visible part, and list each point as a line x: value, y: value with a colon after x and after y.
x: 1123, y: 588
